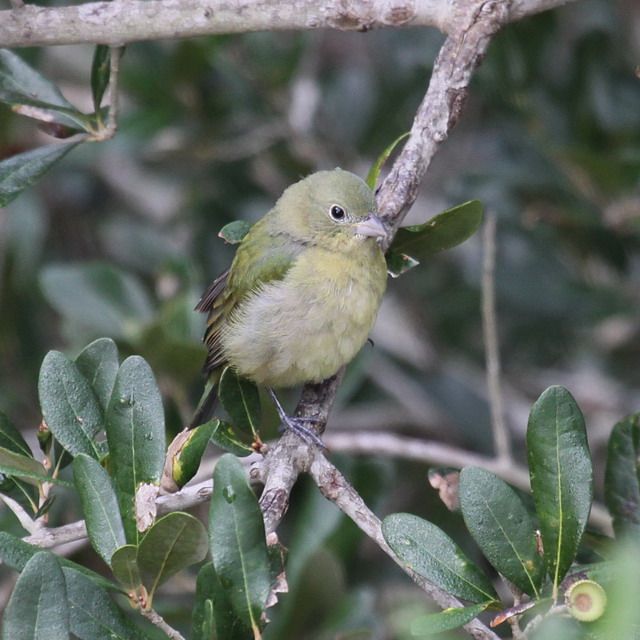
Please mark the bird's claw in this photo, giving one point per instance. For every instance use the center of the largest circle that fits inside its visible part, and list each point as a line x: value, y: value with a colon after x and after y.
x: 298, y: 426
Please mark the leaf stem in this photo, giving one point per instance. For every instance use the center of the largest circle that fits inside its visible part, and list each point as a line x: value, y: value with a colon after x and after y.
x: 155, y: 618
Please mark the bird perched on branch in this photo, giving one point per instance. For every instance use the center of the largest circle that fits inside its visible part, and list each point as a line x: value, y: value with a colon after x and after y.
x: 302, y: 292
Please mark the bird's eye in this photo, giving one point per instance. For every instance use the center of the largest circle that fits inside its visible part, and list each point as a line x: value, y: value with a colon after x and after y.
x: 337, y: 212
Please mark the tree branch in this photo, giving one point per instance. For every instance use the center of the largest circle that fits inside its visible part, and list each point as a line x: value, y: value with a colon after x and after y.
x: 118, y: 23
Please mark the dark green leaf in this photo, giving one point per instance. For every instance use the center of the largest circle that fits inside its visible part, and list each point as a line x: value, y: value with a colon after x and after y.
x: 241, y: 400
x: 622, y: 477
x: 92, y: 613
x: 69, y: 406
x: 21, y: 171
x: 99, y: 297
x: 136, y: 436
x: 446, y: 620
x: 98, y: 363
x: 11, y: 438
x: 187, y: 460
x: 124, y: 565
x: 20, y: 466
x: 15, y: 553
x: 38, y: 607
x: 174, y: 542
x: 374, y: 172
x: 99, y: 506
x: 561, y: 476
x: 399, y: 263
x: 32, y: 95
x: 237, y: 541
x: 224, y: 436
x: 427, y: 550
x: 235, y: 231
x: 212, y: 612
x: 502, y: 527
x: 100, y: 72
x: 446, y: 230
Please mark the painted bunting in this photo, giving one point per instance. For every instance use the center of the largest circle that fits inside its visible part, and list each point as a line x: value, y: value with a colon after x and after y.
x: 302, y: 292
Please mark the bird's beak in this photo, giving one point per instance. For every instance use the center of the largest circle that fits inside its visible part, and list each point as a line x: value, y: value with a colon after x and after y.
x: 371, y: 226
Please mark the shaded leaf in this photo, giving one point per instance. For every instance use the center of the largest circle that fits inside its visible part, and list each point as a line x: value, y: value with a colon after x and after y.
x: 235, y: 231
x: 237, y: 541
x: 69, y: 406
x: 136, y: 436
x: 444, y: 231
x: 432, y: 623
x: 38, y: 607
x: 561, y: 476
x: 622, y: 477
x: 20, y: 466
x: 15, y: 553
x: 11, y: 438
x: 399, y: 263
x: 427, y: 550
x: 124, y: 565
x: 502, y: 527
x: 99, y: 506
x: 374, y: 172
x: 186, y: 461
x: 224, y: 436
x: 92, y: 613
x: 241, y: 400
x: 99, y: 297
x: 24, y: 169
x: 100, y: 72
x: 212, y: 612
x: 98, y: 363
x: 174, y: 542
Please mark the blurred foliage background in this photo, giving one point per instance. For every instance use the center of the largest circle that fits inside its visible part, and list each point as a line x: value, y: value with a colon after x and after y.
x: 120, y: 239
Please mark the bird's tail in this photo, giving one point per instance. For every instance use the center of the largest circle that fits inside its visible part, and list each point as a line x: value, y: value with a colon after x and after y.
x: 207, y: 406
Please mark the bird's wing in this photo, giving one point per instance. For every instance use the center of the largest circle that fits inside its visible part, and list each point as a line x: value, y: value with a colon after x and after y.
x: 261, y: 258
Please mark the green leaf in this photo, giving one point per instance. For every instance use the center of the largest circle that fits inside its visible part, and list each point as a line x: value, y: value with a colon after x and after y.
x: 98, y: 296
x: 241, y: 400
x: 124, y: 565
x: 235, y: 231
x: 399, y: 263
x: 99, y: 506
x: 92, y: 613
x: 38, y: 607
x: 11, y: 438
x: 561, y: 477
x: 622, y: 476
x: 136, y: 436
x: 98, y: 363
x: 69, y: 406
x: 374, y: 172
x: 15, y: 464
x: 21, y: 171
x: 432, y: 623
x: 212, y: 615
x: 502, y: 527
x: 427, y: 550
x: 100, y: 72
x: 32, y: 95
x: 225, y: 437
x: 15, y: 553
x: 186, y: 461
x: 173, y: 543
x: 237, y: 541
x: 448, y: 229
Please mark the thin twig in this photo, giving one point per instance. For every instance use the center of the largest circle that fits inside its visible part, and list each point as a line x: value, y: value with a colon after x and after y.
x: 25, y: 520
x: 155, y: 618
x: 336, y: 488
x: 501, y: 440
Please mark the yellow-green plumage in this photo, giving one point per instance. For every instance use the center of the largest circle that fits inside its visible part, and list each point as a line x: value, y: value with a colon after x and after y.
x: 304, y: 288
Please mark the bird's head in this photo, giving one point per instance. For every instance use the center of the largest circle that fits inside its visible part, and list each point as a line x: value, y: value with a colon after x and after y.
x: 331, y: 208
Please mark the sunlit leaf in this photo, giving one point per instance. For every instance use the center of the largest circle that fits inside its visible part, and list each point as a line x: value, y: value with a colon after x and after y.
x: 100, y: 72
x: 241, y: 400
x: 432, y: 623
x: 235, y: 231
x: 374, y: 172
x: 98, y: 363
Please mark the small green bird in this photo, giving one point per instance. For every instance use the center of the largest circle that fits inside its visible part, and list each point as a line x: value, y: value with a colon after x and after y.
x: 302, y: 292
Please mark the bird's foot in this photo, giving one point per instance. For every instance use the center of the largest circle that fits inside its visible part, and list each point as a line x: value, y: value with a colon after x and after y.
x: 297, y: 425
